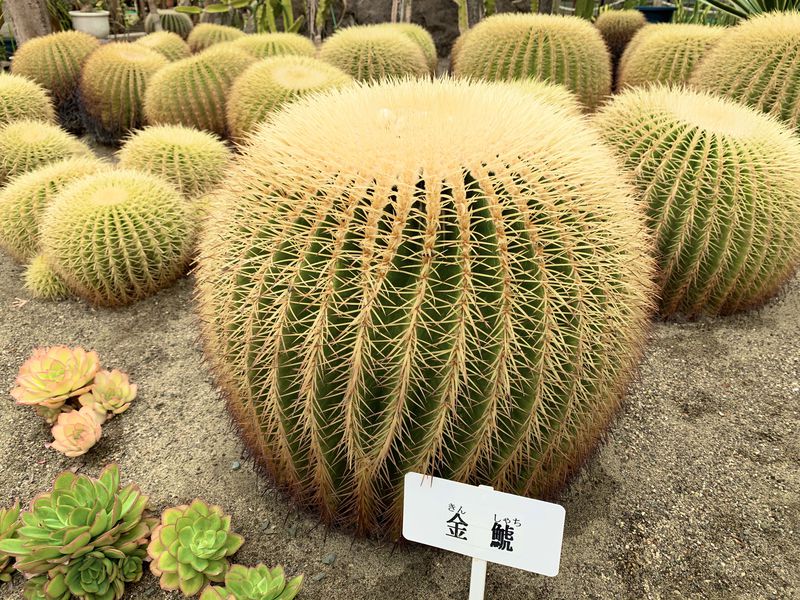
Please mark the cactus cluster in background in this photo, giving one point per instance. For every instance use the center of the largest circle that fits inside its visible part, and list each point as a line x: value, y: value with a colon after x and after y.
x: 255, y: 583
x: 270, y: 84
x: 171, y: 21
x: 758, y: 63
x: 397, y: 281
x: 374, y: 52
x: 721, y: 193
x: 168, y: 44
x: 193, y: 91
x: 618, y: 28
x: 265, y: 45
x: 42, y: 282
x: 421, y: 37
x: 23, y: 99
x: 206, y: 35
x: 112, y: 88
x: 552, y: 48
x: 666, y: 53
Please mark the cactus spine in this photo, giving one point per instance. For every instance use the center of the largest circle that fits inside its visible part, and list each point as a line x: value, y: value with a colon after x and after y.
x: 166, y: 43
x: 21, y: 98
x: 206, y: 35
x: 422, y: 276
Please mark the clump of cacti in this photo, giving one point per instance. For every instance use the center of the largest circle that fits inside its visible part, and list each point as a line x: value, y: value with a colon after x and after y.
x: 551, y: 93
x: 54, y: 61
x: 666, y: 53
x: 24, y: 199
x: 118, y: 236
x: 42, y: 282
x: 757, y: 63
x: 270, y: 84
x: 168, y: 44
x: 111, y: 111
x: 255, y: 583
x: 618, y: 28
x: 206, y: 35
x: 194, y: 161
x: 28, y: 145
x: 565, y: 50
x: 722, y: 196
x: 422, y: 276
x: 373, y: 52
x: 265, y: 45
x: 193, y: 91
x: 23, y: 99
x: 171, y: 21
x: 420, y: 36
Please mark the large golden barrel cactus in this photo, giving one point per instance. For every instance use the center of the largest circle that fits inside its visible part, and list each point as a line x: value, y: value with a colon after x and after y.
x: 116, y: 237
x: 618, y: 28
x: 265, y: 45
x: 167, y: 43
x: 21, y: 98
x: 666, y: 53
x: 193, y: 91
x: 112, y: 88
x: 565, y: 50
x: 421, y: 37
x: 270, y: 84
x: 374, y: 52
x: 206, y: 35
x: 758, y: 63
x: 422, y: 276
x: 722, y: 191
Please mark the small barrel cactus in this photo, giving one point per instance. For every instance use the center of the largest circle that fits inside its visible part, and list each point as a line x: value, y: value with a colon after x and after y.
x: 194, y: 161
x: 168, y: 44
x: 565, y: 50
x: 666, y: 53
x: 618, y: 28
x: 265, y: 45
x: 422, y: 276
x: 206, y: 35
x: 757, y: 63
x: 256, y: 583
x: 270, y: 84
x: 191, y: 546
x: 421, y: 37
x: 111, y: 111
x: 44, y: 283
x: 54, y: 61
x: 116, y: 237
x: 24, y: 199
x: 28, y: 145
x: 171, y: 21
x: 721, y: 193
x: 9, y: 524
x: 373, y: 52
x: 23, y: 99
x: 193, y: 91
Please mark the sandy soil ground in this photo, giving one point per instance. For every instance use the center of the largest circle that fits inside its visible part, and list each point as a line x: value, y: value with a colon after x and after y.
x: 695, y: 494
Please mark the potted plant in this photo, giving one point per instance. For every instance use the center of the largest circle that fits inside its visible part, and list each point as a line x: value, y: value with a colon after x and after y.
x: 91, y: 17
x: 657, y: 12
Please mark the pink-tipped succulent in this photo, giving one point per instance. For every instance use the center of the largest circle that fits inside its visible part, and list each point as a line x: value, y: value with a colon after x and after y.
x: 77, y: 431
x: 52, y: 375
x: 112, y: 392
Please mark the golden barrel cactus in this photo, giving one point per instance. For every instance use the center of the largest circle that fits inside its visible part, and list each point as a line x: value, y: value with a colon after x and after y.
x: 265, y: 45
x: 565, y: 50
x: 422, y: 276
x: 721, y: 188
x: 421, y: 37
x: 206, y: 35
x: 171, y: 21
x: 618, y: 28
x: 21, y: 98
x: 42, y: 282
x: 549, y: 93
x: 166, y: 43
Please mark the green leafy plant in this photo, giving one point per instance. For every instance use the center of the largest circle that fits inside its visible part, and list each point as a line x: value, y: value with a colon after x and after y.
x: 191, y: 546
x: 9, y: 524
x: 744, y: 9
x: 256, y: 583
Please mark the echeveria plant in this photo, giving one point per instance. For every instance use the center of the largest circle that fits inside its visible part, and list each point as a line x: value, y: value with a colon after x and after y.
x: 9, y: 524
x: 256, y: 583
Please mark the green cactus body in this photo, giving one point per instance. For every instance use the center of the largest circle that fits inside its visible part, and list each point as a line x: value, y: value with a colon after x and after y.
x: 373, y: 52
x: 42, y: 282
x: 721, y: 191
x: 21, y: 98
x: 116, y: 237
x: 618, y: 28
x: 565, y: 50
x: 270, y: 84
x: 758, y: 63
x: 666, y: 53
x: 112, y: 88
x: 28, y: 145
x: 171, y: 21
x: 193, y: 91
x: 194, y: 161
x: 206, y: 35
x: 23, y: 201
x: 420, y: 36
x: 265, y: 45
x: 166, y: 43
x: 422, y: 276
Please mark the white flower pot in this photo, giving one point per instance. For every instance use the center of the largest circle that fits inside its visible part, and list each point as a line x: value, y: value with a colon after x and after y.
x: 94, y: 23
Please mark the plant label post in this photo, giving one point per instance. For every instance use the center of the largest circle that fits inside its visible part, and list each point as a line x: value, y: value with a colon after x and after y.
x: 485, y: 524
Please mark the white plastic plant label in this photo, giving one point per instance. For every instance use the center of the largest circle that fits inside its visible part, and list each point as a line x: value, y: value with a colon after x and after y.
x: 482, y: 523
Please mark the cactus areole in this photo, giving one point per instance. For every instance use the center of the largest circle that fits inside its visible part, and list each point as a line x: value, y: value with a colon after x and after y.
x: 422, y: 276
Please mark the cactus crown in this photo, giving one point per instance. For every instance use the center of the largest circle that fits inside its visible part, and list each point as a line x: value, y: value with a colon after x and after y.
x: 722, y: 205
x: 421, y: 276
x: 21, y: 98
x: 564, y: 50
x: 265, y: 45
x: 166, y: 43
x: 206, y: 35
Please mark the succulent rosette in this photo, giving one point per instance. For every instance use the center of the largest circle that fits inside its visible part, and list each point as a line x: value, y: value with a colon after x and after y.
x: 112, y: 392
x: 51, y: 375
x: 77, y: 431
x: 81, y: 537
x: 191, y: 546
x: 9, y: 524
x: 256, y: 583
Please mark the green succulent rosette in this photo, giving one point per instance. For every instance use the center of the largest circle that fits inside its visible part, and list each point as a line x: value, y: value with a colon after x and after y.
x: 38, y: 589
x: 191, y: 546
x: 256, y: 583
x: 9, y: 524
